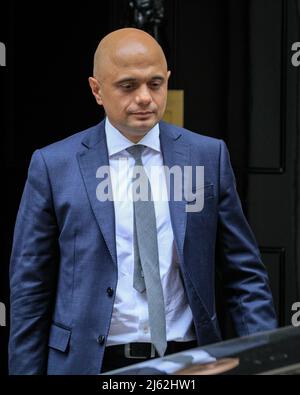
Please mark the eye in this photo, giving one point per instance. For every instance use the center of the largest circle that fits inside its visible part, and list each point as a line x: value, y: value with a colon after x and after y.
x: 127, y: 86
x: 155, y: 84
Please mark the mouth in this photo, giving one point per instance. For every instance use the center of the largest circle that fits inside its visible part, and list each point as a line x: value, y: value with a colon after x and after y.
x: 142, y: 113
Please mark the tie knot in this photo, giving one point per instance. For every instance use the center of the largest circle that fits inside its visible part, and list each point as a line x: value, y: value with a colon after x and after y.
x: 136, y: 151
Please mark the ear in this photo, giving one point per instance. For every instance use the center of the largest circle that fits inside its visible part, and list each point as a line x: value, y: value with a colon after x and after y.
x: 96, y: 90
x: 168, y: 75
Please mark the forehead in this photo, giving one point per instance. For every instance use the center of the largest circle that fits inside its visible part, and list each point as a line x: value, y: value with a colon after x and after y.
x: 139, y: 70
x: 135, y: 59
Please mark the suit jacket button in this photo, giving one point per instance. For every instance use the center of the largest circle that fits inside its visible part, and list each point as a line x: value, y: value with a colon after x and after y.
x: 101, y: 339
x: 110, y: 292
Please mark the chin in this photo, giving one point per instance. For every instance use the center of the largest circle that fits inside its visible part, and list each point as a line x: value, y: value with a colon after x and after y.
x: 143, y: 127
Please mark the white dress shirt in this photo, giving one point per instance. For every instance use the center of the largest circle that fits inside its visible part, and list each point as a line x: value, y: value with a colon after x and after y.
x: 130, y: 322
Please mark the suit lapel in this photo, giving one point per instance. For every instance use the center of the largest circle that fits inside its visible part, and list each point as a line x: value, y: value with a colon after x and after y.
x: 89, y: 161
x: 175, y: 153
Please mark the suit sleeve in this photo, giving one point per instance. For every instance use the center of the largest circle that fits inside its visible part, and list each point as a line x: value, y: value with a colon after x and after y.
x: 33, y: 270
x: 248, y: 295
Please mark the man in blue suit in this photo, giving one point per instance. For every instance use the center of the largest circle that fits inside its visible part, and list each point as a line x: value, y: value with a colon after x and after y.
x: 74, y: 309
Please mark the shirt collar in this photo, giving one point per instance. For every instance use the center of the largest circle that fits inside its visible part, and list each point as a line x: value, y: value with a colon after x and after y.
x: 117, y: 142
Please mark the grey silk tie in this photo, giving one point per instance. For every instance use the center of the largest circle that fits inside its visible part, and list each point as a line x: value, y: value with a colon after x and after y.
x: 146, y: 262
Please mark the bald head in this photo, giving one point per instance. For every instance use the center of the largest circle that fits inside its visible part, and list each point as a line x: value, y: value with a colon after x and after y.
x: 130, y: 81
x: 126, y: 47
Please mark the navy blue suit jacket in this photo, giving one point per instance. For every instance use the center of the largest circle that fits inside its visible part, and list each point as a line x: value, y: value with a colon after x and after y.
x: 64, y: 261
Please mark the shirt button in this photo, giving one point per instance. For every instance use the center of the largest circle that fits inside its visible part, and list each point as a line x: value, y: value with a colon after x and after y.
x: 101, y: 339
x: 110, y: 292
x: 146, y: 329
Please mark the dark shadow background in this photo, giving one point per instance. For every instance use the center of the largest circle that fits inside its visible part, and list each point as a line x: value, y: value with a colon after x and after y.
x: 231, y: 58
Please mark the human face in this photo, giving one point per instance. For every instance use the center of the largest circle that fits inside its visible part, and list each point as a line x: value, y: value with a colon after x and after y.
x: 133, y: 94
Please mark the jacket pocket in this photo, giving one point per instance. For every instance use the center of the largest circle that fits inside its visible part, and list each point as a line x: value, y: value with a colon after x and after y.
x: 195, y: 201
x: 206, y: 192
x: 59, y: 337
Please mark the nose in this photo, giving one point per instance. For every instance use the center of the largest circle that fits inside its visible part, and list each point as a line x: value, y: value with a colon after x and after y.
x: 143, y: 96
